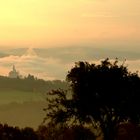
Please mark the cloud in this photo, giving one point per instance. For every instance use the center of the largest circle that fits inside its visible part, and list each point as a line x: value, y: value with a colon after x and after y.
x: 54, y: 63
x: 134, y: 65
x: 46, y: 68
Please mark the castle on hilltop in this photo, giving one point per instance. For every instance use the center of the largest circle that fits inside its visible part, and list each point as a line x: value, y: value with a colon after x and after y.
x: 14, y: 73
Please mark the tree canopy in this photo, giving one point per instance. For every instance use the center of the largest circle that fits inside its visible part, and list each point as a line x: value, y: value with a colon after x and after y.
x: 102, y: 94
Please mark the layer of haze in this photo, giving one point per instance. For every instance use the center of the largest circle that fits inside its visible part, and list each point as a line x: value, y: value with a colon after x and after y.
x: 45, y: 23
x: 54, y: 63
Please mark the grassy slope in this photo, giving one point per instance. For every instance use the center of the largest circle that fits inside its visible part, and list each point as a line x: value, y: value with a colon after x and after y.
x: 20, y: 105
x: 20, y: 108
x: 27, y: 114
x: 9, y: 95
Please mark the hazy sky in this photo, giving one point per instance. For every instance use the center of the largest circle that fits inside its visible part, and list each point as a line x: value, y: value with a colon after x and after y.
x: 48, y: 23
x: 104, y: 24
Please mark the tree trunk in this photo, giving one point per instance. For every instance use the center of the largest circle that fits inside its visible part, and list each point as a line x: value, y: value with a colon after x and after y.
x: 108, y: 132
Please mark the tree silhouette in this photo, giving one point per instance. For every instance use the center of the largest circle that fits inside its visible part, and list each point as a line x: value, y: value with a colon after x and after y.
x: 14, y: 133
x: 102, y: 95
x: 58, y: 132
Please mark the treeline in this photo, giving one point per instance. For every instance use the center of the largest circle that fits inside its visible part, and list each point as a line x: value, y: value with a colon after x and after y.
x: 52, y: 132
x: 15, y: 133
x: 31, y: 84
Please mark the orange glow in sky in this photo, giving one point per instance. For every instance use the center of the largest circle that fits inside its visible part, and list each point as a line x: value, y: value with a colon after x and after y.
x: 51, y: 22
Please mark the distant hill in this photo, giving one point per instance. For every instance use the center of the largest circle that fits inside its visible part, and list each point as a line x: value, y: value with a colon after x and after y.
x: 17, y: 51
x: 85, y: 52
x: 3, y: 55
x: 27, y: 89
x: 31, y: 84
x: 22, y: 100
x: 73, y: 53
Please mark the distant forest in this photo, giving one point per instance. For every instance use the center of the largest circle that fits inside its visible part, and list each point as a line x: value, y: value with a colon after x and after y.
x: 31, y: 84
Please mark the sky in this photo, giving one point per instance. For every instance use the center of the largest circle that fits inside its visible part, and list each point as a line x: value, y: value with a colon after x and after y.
x: 47, y: 23
x: 110, y: 27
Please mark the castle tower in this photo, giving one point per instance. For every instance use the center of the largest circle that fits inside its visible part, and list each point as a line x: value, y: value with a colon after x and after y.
x: 13, y: 73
